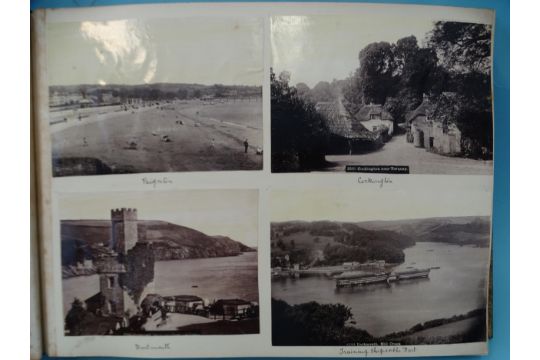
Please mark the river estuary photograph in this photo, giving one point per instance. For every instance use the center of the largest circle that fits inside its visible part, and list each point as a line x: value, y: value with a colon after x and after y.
x: 339, y: 279
x: 155, y: 267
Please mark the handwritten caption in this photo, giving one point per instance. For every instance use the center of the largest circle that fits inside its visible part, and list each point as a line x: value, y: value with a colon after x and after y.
x: 381, y: 351
x: 165, y: 346
x: 155, y: 182
x: 380, y: 182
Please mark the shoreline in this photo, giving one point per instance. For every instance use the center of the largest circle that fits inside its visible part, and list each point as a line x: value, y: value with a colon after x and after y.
x: 94, y: 271
x: 465, y: 327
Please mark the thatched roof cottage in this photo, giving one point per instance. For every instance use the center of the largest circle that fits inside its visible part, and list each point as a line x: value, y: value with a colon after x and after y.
x: 425, y: 131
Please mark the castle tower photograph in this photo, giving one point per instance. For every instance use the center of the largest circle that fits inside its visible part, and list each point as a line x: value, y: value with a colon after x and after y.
x: 124, y: 233
x: 154, y: 263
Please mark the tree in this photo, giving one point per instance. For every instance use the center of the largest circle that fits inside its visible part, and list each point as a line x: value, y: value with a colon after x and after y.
x: 182, y: 94
x: 376, y: 73
x: 352, y: 93
x: 472, y: 118
x: 462, y: 47
x: 154, y: 94
x: 312, y: 323
x: 219, y: 90
x: 75, y: 316
x: 299, y: 132
x: 322, y: 92
x: 303, y: 91
x: 464, y: 52
x: 404, y: 50
x: 414, y: 74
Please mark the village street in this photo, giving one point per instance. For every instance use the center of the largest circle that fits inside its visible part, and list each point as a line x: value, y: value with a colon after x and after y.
x: 399, y: 152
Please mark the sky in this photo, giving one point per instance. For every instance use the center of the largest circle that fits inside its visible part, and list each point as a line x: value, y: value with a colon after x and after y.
x: 175, y: 50
x: 232, y: 213
x: 326, y: 47
x: 446, y: 199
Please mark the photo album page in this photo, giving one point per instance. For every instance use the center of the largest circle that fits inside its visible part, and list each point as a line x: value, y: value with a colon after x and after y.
x: 264, y: 180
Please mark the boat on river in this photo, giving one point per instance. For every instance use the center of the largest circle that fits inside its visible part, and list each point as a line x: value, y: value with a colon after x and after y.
x: 359, y: 278
x: 411, y: 274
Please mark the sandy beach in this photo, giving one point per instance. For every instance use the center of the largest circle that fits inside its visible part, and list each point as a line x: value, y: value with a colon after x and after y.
x: 190, y: 135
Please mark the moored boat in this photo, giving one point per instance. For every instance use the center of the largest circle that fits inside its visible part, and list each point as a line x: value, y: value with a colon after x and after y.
x: 357, y: 278
x: 411, y: 274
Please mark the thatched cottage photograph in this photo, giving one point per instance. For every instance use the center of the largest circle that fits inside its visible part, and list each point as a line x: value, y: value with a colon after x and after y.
x: 413, y: 94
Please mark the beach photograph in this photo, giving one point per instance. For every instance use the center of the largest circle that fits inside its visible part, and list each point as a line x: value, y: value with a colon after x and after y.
x: 155, y: 95
x: 143, y: 264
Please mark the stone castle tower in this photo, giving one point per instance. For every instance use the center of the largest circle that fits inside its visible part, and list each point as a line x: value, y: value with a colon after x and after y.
x: 124, y: 233
x: 112, y: 267
x: 112, y: 301
x: 126, y: 269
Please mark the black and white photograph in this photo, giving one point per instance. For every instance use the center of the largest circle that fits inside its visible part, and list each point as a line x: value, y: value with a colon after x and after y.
x: 170, y: 263
x: 381, y: 91
x: 155, y: 95
x: 366, y: 273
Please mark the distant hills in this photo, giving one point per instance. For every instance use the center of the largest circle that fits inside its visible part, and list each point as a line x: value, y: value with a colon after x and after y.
x: 335, y: 242
x: 465, y: 230
x: 157, y: 91
x: 85, y: 239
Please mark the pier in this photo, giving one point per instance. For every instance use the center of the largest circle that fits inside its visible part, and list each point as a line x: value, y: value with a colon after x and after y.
x: 296, y: 272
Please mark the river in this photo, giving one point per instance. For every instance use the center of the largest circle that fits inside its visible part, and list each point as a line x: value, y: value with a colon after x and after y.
x: 213, y: 278
x: 456, y: 288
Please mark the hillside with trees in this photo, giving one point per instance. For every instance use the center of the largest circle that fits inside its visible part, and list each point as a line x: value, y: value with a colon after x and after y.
x: 332, y: 243
x: 86, y: 239
x: 314, y: 324
x: 466, y: 230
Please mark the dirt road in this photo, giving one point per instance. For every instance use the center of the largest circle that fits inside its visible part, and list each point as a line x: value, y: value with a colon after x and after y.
x: 399, y: 152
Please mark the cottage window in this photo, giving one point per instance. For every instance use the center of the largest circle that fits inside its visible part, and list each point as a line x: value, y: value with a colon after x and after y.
x: 111, y: 282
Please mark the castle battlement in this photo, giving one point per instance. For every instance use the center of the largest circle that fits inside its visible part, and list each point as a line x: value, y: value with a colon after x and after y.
x: 124, y: 233
x: 124, y: 214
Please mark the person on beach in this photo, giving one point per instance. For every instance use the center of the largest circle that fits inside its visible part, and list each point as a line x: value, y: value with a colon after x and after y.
x: 246, y: 144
